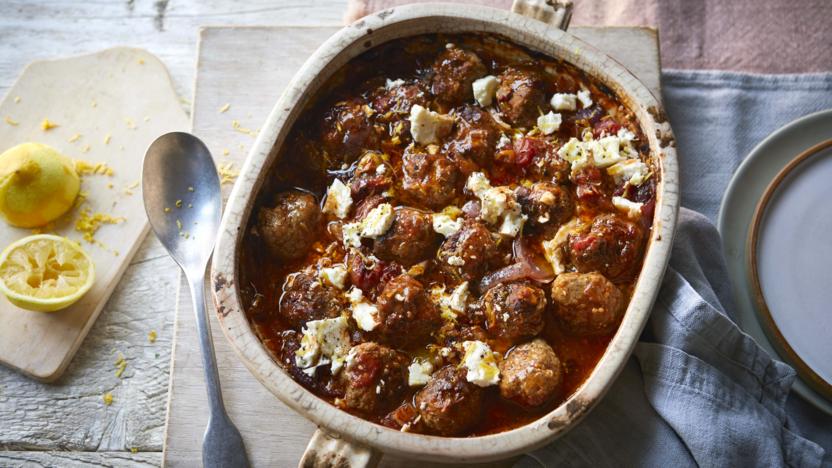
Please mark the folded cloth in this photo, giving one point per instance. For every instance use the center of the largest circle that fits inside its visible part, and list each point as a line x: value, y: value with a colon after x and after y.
x: 697, y: 391
x: 769, y: 36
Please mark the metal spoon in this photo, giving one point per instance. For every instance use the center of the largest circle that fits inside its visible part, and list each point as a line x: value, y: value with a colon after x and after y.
x: 183, y: 203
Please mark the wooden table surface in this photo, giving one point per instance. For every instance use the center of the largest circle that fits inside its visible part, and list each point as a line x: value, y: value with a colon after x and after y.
x: 66, y: 423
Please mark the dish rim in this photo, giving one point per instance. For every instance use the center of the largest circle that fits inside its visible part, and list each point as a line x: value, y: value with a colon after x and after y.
x: 343, y: 46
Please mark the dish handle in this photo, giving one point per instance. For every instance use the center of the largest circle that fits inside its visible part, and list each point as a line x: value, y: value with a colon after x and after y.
x: 558, y: 13
x: 327, y: 450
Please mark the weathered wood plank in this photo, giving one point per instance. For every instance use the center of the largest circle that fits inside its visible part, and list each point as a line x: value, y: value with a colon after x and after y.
x: 79, y: 459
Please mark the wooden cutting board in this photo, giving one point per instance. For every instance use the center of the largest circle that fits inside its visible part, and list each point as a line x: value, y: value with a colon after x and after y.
x: 108, y: 107
x: 247, y: 68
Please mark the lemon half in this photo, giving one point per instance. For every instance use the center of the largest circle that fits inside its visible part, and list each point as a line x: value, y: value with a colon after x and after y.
x: 37, y: 184
x: 45, y: 273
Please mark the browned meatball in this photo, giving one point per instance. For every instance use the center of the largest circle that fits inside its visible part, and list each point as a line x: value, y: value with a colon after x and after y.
x: 348, y: 131
x: 521, y: 96
x: 514, y: 311
x: 612, y: 246
x: 430, y: 180
x: 306, y: 298
x: 454, y: 71
x: 587, y: 303
x: 449, y: 404
x: 406, y: 314
x: 392, y: 102
x: 409, y: 240
x: 370, y: 274
x: 542, y: 158
x: 547, y: 205
x: 531, y: 374
x: 470, y: 252
x: 291, y: 227
x: 375, y: 378
x: 372, y: 176
x: 593, y: 188
x: 475, y: 138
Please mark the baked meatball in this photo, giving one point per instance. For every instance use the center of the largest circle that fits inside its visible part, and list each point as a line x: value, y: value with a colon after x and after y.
x: 306, y: 298
x: 409, y: 240
x: 531, y: 374
x: 475, y: 138
x: 374, y: 378
x: 547, y: 205
x: 372, y: 176
x: 514, y: 311
x: 454, y: 71
x: 543, y: 160
x: 587, y: 303
x: 593, y: 188
x: 390, y: 102
x: 611, y: 245
x: 290, y: 228
x: 521, y: 96
x: 406, y: 314
x: 449, y: 404
x: 348, y: 131
x: 468, y: 253
x: 430, y: 180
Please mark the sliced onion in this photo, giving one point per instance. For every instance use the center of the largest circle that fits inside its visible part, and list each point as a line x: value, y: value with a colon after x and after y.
x: 529, y: 266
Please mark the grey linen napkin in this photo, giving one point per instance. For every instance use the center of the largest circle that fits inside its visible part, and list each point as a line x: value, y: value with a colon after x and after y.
x: 697, y: 390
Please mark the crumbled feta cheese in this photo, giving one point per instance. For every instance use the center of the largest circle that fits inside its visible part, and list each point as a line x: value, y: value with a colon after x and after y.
x: 484, y: 89
x: 426, y: 125
x: 336, y: 275
x: 390, y: 84
x: 549, y: 123
x: 504, y: 141
x: 446, y: 225
x: 573, y: 152
x: 324, y: 341
x: 552, y: 247
x: 480, y: 363
x: 633, y: 209
x: 632, y: 171
x: 583, y: 96
x: 603, y: 152
x: 351, y: 234
x: 563, y: 102
x: 338, y: 199
x: 497, y: 204
x: 456, y: 261
x: 606, y: 151
x: 458, y: 298
x: 365, y: 315
x: 354, y: 295
x: 419, y: 372
x: 377, y: 221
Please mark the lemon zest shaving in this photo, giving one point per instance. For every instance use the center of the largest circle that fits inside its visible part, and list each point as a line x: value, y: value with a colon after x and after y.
x: 12, y: 122
x: 108, y: 398
x: 88, y: 168
x: 47, y: 125
x: 89, y: 223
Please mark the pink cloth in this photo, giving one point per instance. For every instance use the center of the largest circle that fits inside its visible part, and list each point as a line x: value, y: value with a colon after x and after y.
x: 763, y: 36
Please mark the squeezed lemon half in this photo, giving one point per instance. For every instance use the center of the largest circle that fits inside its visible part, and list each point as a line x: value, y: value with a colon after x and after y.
x: 45, y: 273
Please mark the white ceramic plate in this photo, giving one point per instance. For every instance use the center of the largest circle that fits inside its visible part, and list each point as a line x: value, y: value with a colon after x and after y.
x: 735, y: 217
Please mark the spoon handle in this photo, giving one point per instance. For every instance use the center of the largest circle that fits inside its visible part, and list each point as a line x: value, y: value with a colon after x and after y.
x: 222, y: 445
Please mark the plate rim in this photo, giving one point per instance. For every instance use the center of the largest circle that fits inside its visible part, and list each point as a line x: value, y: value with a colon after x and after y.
x: 770, y: 327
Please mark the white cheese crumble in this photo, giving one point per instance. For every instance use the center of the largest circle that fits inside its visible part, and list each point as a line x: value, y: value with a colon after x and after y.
x: 563, y: 102
x: 338, y: 199
x: 583, y: 96
x: 351, y: 234
x: 497, y: 204
x: 458, y: 299
x: 480, y: 363
x: 377, y: 221
x: 454, y: 260
x: 632, y: 171
x: 425, y: 124
x: 603, y: 152
x: 324, y: 342
x: 633, y: 209
x: 390, y: 84
x: 418, y: 373
x: 504, y: 141
x: 363, y: 312
x: 551, y: 247
x: 445, y: 224
x: 549, y: 123
x: 484, y: 89
x: 335, y: 275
